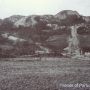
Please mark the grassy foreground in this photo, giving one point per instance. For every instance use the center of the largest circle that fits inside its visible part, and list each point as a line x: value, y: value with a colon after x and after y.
x: 45, y: 74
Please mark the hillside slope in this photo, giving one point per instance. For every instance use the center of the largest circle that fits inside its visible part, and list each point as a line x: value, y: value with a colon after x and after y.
x: 49, y: 30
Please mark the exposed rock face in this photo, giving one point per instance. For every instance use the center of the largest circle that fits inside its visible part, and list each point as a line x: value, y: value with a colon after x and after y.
x: 74, y: 41
x: 15, y: 18
x: 87, y: 19
x: 64, y: 14
x: 26, y: 21
x: 66, y: 17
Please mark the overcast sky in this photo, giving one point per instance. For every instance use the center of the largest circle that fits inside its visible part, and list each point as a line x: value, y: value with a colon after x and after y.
x: 29, y: 7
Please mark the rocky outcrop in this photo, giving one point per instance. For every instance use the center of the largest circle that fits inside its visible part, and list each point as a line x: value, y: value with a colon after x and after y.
x: 13, y: 18
x: 74, y: 41
x: 67, y: 13
x: 26, y: 21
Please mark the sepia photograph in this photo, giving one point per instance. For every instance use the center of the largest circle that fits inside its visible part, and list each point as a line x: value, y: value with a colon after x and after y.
x: 44, y: 45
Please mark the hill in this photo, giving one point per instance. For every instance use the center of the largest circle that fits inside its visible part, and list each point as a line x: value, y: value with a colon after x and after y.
x: 51, y: 31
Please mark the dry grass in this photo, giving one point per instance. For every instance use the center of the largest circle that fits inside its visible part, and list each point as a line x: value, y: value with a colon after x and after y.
x: 46, y: 74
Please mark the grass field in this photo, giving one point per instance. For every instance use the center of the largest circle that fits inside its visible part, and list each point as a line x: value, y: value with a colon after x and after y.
x: 45, y: 74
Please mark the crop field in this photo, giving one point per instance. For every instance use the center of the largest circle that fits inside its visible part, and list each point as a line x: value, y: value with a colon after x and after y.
x: 45, y: 74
